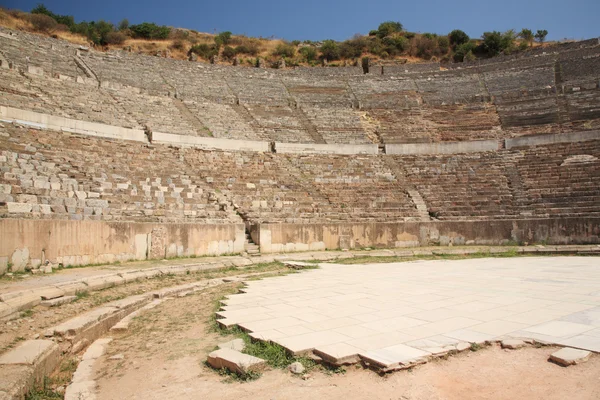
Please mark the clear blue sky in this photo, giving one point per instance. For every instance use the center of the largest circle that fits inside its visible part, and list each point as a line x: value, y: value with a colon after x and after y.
x: 340, y: 19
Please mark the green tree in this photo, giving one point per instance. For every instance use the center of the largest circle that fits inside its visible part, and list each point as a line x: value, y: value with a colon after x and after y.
x: 387, y: 28
x: 149, y: 30
x: 124, y: 24
x: 330, y: 50
x: 458, y: 37
x: 540, y: 35
x: 526, y: 35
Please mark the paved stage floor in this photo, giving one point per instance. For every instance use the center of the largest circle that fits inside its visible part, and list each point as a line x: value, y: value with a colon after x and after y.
x: 393, y: 314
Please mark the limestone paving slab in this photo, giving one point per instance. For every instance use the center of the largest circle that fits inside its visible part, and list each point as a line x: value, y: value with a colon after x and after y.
x: 398, y: 313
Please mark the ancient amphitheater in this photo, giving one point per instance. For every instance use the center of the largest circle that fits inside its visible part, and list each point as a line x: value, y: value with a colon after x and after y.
x: 115, y: 156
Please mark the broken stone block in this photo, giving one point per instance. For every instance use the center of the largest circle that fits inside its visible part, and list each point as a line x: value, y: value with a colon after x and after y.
x: 569, y: 356
x: 235, y: 361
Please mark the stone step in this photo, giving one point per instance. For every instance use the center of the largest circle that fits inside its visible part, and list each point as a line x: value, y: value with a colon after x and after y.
x: 235, y: 361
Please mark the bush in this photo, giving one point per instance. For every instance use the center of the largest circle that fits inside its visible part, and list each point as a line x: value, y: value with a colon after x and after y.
x: 330, y: 50
x: 462, y: 50
x: 223, y: 38
x: 470, y: 56
x: 308, y: 53
x: 115, y: 38
x: 443, y: 44
x: 395, y: 44
x: 285, y: 50
x: 228, y: 53
x: 540, y: 35
x: 124, y: 24
x: 250, y: 49
x: 147, y: 30
x: 458, y: 37
x: 492, y: 43
x: 425, y: 47
x: 204, y: 50
x: 43, y: 23
x: 353, y: 48
x: 178, y: 44
x: 387, y: 28
x: 67, y: 20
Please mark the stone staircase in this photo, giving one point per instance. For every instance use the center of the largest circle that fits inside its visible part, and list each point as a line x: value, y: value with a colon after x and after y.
x: 250, y: 247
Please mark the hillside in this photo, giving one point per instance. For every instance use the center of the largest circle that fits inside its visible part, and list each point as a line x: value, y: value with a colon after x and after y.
x: 388, y: 44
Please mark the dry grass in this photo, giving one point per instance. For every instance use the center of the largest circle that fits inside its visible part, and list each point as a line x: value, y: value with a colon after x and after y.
x: 15, y: 20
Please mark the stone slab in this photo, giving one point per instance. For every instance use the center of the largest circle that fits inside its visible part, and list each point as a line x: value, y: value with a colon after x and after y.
x: 394, y: 356
x: 235, y: 361
x: 50, y: 293
x: 28, y: 352
x: 569, y: 356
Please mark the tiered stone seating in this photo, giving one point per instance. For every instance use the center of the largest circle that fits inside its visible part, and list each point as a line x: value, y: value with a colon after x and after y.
x: 434, y: 124
x: 54, y: 57
x: 265, y: 187
x: 338, y: 125
x: 359, y: 188
x: 59, y: 176
x: 323, y: 92
x: 158, y: 113
x: 222, y: 121
x: 451, y: 87
x: 376, y: 92
x: 279, y: 123
x: 197, y: 81
x: 548, y: 90
x: 129, y: 69
x: 253, y: 85
x: 460, y: 187
x: 560, y: 180
x: 63, y: 98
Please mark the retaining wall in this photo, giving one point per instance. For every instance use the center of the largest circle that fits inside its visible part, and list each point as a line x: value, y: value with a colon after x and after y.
x: 29, y: 243
x: 275, y: 238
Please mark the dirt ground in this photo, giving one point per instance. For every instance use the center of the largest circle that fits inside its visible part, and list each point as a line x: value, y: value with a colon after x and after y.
x: 165, y: 349
x: 34, y: 322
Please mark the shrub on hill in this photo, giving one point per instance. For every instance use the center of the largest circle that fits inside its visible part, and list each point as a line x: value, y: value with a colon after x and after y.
x: 330, y: 50
x: 458, y: 37
x: 149, y: 30
x: 387, y: 28
x: 228, y: 53
x: 540, y: 35
x: 285, y: 50
x: 309, y: 53
x: 462, y: 50
x: 115, y: 38
x: 495, y: 42
x: 43, y: 23
x: 204, y: 50
x: 250, y: 49
x: 223, y: 38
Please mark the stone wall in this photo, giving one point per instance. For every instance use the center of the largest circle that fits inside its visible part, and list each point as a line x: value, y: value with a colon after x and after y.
x: 30, y: 243
x: 303, y: 237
